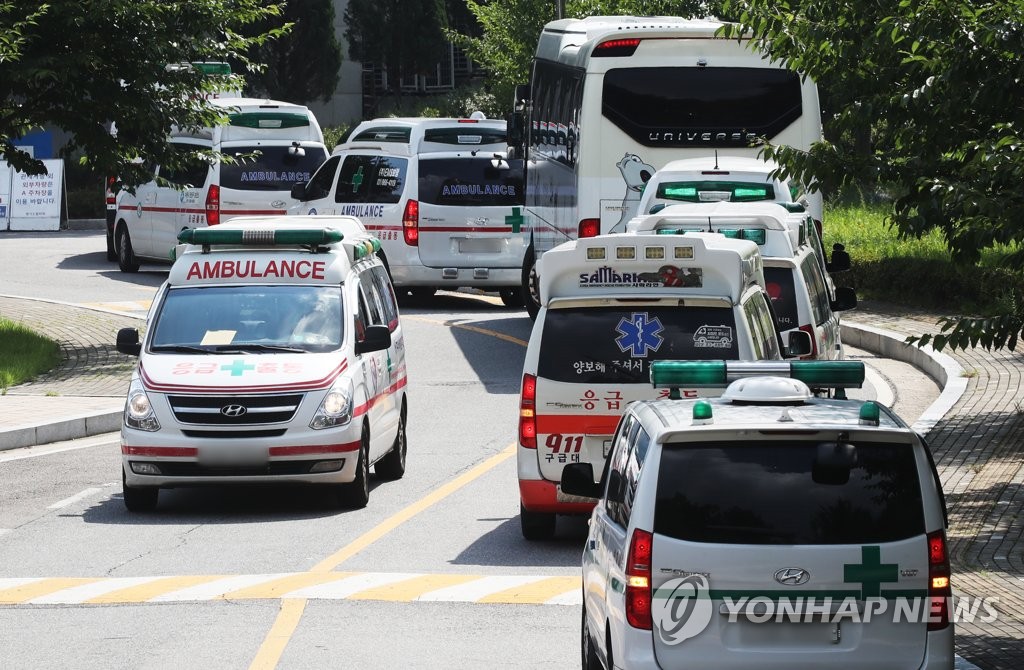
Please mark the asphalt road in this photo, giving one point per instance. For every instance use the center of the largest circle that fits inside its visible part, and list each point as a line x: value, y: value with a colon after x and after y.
x: 226, y: 556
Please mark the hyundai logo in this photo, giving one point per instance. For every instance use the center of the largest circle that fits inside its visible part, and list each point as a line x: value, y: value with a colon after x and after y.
x: 792, y: 576
x: 233, y: 410
x: 278, y: 204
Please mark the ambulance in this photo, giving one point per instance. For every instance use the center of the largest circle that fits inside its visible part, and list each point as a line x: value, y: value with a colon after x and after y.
x: 767, y: 527
x: 610, y: 306
x: 267, y: 147
x: 273, y: 353
x: 441, y: 194
x: 803, y: 294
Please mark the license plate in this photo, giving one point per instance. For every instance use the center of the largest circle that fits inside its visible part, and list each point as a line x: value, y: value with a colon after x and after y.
x: 232, y: 455
x: 478, y: 245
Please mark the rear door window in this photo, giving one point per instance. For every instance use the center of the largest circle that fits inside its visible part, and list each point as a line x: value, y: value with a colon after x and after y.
x: 785, y: 492
x: 269, y: 168
x: 616, y: 345
x: 471, y: 182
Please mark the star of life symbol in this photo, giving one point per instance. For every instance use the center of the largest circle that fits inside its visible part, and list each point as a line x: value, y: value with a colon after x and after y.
x: 639, y: 334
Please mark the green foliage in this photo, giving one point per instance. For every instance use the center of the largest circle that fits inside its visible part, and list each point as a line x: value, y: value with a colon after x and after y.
x: 24, y: 354
x: 334, y: 135
x: 935, y: 87
x: 78, y: 66
x: 406, y: 36
x: 461, y: 102
x: 303, y: 65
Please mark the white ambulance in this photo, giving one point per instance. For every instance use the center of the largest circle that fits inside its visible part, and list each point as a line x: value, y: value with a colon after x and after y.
x: 441, y: 195
x: 765, y: 528
x: 269, y: 146
x: 610, y: 305
x: 802, y: 293
x: 272, y: 353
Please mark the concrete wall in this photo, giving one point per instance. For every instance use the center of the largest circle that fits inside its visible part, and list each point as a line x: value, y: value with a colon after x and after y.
x: 346, y: 105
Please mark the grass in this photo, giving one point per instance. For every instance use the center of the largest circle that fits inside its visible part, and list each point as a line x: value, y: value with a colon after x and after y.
x: 24, y: 354
x: 917, y: 272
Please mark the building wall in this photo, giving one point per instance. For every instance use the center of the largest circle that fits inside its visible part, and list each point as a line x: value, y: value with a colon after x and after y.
x: 346, y: 105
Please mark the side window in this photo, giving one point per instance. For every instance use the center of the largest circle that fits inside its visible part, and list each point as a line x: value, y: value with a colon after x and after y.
x: 820, y: 308
x: 618, y: 511
x: 362, y: 318
x: 756, y: 332
x: 388, y: 180
x: 354, y: 177
x: 637, y: 453
x: 372, y: 301
x: 319, y: 185
x: 191, y: 172
x: 772, y: 347
x: 387, y: 295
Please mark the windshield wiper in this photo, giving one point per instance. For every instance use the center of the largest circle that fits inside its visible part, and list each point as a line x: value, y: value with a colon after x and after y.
x: 181, y: 348
x: 277, y: 348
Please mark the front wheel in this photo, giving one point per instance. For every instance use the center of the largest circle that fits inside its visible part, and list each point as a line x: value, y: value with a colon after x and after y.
x: 511, y: 297
x: 392, y: 465
x: 530, y: 288
x: 126, y: 259
x: 587, y: 651
x: 139, y: 498
x: 111, y: 250
x: 356, y: 494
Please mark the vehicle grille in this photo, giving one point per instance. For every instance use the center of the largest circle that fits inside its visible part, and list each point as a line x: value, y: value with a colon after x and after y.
x: 214, y: 410
x: 169, y: 469
x: 234, y: 434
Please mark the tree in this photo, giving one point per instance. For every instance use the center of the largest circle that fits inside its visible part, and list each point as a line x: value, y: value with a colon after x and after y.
x: 511, y: 29
x: 78, y: 66
x: 935, y: 84
x: 303, y: 65
x: 405, y: 36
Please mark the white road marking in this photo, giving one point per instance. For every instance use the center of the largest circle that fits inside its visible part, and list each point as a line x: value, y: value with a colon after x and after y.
x: 215, y: 589
x: 343, y: 588
x: 15, y: 582
x: 58, y: 447
x: 79, y: 594
x: 4, y: 531
x: 477, y: 589
x: 81, y: 495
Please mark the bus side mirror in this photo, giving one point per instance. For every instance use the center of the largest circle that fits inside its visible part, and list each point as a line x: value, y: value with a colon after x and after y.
x: 128, y: 341
x: 840, y: 259
x: 846, y: 298
x: 798, y: 343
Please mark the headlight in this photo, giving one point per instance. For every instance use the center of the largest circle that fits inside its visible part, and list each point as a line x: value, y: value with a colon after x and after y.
x: 336, y: 407
x: 138, y: 411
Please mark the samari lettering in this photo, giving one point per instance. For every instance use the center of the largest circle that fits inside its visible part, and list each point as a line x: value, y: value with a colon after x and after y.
x: 248, y: 269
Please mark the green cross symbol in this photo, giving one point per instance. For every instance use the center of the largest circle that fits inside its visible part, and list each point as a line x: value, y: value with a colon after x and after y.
x: 357, y: 179
x: 516, y: 220
x: 237, y: 368
x: 871, y: 572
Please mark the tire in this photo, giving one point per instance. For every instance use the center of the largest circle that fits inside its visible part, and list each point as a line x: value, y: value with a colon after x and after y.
x: 530, y: 288
x: 511, y: 297
x: 588, y: 654
x: 111, y: 251
x: 126, y: 259
x: 356, y: 494
x: 139, y: 498
x: 392, y: 466
x: 536, y: 525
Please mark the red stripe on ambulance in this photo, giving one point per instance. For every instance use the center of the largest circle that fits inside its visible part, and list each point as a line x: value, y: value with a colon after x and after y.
x: 587, y: 424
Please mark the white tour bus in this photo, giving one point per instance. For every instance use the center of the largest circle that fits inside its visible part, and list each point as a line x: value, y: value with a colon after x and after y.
x: 612, y: 99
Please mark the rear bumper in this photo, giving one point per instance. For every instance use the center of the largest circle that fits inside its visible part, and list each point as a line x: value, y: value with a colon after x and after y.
x: 454, y: 277
x: 543, y: 496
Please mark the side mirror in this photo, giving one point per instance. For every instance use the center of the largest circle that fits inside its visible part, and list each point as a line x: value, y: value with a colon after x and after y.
x: 522, y: 96
x: 299, y: 191
x: 798, y: 343
x: 578, y: 480
x: 846, y: 298
x: 128, y: 341
x: 840, y: 259
x: 376, y: 338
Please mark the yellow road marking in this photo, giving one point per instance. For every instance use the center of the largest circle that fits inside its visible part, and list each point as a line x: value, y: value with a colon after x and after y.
x: 279, y: 587
x: 277, y: 639
x: 465, y: 326
x: 149, y: 590
x: 534, y: 593
x: 25, y: 592
x: 410, y: 589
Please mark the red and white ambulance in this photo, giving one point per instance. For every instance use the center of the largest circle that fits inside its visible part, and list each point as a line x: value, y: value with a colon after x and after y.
x: 610, y: 305
x: 272, y: 353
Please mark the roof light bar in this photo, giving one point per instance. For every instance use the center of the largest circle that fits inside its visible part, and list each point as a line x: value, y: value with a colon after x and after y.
x: 818, y: 374
x: 265, y: 237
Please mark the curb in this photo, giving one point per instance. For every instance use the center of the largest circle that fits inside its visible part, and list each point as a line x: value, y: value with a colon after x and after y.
x: 946, y: 372
x: 73, y: 428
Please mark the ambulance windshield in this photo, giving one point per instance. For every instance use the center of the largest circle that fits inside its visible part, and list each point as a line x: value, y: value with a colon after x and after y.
x: 251, y: 318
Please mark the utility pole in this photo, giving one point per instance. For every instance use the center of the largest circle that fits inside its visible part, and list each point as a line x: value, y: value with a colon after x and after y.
x: 561, y: 8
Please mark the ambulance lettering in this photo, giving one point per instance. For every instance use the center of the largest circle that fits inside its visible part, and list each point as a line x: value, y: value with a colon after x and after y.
x: 228, y: 269
x: 362, y: 211
x: 718, y: 337
x: 477, y: 189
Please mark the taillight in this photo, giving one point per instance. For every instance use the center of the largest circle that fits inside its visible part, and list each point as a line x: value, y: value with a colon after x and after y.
x: 528, y: 412
x: 616, y: 47
x: 213, y: 205
x: 590, y: 228
x: 809, y: 329
x: 111, y: 196
x: 411, y: 223
x: 638, y: 580
x: 940, y: 591
x: 817, y: 224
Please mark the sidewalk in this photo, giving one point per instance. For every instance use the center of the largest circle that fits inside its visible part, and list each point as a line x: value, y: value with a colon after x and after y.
x: 977, y: 439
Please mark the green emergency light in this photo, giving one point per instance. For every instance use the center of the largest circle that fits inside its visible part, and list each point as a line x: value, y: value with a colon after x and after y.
x: 259, y: 236
x: 817, y: 374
